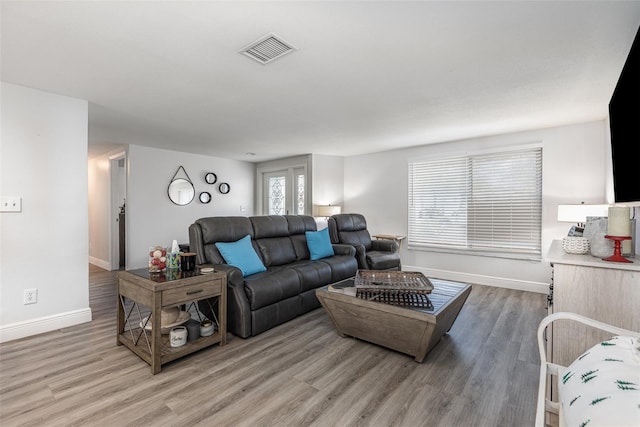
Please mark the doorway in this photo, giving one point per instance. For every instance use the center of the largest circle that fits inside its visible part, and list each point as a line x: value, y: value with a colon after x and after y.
x: 117, y: 212
x: 284, y: 192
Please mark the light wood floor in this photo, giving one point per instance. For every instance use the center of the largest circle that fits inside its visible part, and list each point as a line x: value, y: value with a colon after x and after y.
x: 483, y: 373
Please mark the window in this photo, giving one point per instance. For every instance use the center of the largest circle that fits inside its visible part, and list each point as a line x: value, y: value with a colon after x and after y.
x: 486, y: 204
x: 277, y: 190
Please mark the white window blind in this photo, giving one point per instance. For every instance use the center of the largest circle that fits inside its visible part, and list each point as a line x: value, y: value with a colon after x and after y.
x: 488, y: 203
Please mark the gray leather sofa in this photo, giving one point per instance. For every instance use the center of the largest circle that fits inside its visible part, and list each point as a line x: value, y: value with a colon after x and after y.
x: 286, y: 290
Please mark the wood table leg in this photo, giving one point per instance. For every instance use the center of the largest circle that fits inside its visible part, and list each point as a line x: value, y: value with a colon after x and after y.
x: 156, y: 334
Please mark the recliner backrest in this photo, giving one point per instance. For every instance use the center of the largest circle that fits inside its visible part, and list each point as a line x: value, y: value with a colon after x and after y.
x: 207, y: 231
x: 298, y: 225
x: 350, y: 229
x: 271, y: 234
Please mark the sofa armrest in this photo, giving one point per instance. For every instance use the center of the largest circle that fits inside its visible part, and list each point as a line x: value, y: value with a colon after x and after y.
x: 234, y: 274
x: 340, y: 249
x: 385, y: 245
x: 196, y: 244
x: 238, y: 308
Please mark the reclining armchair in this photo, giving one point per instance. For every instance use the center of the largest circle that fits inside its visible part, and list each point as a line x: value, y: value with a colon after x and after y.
x: 351, y: 229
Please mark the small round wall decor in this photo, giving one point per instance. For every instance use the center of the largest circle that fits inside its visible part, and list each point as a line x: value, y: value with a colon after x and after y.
x: 205, y: 197
x: 224, y: 188
x: 210, y: 178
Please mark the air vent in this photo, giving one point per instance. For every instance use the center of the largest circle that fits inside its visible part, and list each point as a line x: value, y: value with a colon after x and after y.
x: 267, y: 49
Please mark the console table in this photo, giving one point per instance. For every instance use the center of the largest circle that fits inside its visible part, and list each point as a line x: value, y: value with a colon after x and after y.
x: 594, y: 288
x: 141, y: 292
x: 601, y: 290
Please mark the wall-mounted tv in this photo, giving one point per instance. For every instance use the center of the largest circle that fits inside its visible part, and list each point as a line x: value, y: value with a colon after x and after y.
x: 624, y: 117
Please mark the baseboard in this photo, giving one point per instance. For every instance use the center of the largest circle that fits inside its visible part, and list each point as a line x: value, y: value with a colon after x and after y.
x: 40, y: 325
x: 106, y: 265
x: 499, y: 282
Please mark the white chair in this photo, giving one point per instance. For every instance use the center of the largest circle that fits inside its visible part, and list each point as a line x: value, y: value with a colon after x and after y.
x: 548, y: 368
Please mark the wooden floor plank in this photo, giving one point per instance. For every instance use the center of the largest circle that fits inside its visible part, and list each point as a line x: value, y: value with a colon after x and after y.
x: 483, y: 372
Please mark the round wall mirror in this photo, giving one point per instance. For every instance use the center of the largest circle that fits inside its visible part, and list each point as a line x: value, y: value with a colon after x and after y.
x: 210, y: 178
x: 181, y: 191
x: 205, y: 197
x: 224, y: 188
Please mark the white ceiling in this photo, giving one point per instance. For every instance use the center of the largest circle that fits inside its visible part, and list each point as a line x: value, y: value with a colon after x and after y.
x: 367, y: 76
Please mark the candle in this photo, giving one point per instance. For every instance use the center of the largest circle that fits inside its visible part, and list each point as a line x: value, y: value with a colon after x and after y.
x: 620, y: 225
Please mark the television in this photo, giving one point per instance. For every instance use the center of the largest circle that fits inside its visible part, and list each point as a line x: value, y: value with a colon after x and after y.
x: 624, y: 119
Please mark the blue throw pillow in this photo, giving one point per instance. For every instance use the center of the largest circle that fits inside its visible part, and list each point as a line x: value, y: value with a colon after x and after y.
x: 242, y: 255
x: 319, y: 243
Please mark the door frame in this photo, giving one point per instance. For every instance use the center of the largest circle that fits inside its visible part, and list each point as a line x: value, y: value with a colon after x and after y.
x: 117, y: 194
x: 302, y: 162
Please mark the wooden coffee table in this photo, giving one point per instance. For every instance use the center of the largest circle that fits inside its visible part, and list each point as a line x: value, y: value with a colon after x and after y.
x: 413, y: 331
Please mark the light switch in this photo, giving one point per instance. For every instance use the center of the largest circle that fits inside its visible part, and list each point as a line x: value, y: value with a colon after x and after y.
x: 11, y: 204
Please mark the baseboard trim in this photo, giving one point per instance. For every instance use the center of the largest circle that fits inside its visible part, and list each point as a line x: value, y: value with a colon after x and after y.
x: 40, y: 325
x: 499, y: 282
x: 106, y: 265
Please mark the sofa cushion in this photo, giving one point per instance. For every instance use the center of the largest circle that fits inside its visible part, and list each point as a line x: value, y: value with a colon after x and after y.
x: 312, y: 274
x: 269, y: 226
x: 224, y: 229
x: 242, y: 255
x: 271, y: 286
x: 298, y: 225
x: 205, y: 232
x: 276, y: 250
x: 299, y: 242
x: 271, y: 234
x: 342, y: 266
x: 319, y: 244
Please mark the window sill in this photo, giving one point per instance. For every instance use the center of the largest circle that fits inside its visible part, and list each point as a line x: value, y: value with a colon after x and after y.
x: 479, y: 252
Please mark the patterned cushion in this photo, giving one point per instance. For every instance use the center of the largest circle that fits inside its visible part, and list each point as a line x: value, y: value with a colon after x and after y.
x: 602, y: 387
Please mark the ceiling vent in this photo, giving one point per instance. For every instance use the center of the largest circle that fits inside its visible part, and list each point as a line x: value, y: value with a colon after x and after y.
x: 267, y: 49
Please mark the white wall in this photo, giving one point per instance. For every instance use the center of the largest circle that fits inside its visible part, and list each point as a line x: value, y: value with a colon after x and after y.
x: 152, y: 219
x: 43, y: 158
x: 328, y: 179
x: 574, y: 170
x: 327, y: 175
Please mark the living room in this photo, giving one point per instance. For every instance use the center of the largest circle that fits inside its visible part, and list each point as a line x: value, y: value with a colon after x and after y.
x: 66, y: 198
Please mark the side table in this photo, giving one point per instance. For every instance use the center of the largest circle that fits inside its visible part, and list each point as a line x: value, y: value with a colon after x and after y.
x: 141, y: 292
x: 395, y: 237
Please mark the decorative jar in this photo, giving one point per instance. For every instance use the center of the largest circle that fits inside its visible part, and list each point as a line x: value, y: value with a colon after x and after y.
x: 173, y: 261
x: 157, y: 259
x: 206, y: 328
x: 178, y: 336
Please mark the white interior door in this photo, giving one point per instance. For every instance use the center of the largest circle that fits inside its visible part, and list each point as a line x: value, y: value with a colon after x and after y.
x: 284, y: 192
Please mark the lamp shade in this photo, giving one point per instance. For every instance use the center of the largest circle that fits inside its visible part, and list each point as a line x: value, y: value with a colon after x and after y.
x: 579, y: 213
x: 328, y: 210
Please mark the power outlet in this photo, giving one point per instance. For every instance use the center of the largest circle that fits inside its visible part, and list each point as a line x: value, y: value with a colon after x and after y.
x: 30, y: 296
x: 11, y: 204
